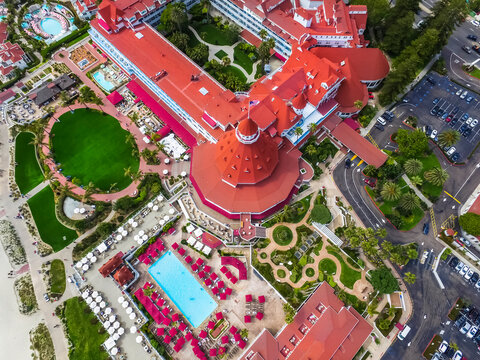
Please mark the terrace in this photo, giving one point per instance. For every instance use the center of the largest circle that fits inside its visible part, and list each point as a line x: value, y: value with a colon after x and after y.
x: 83, y: 57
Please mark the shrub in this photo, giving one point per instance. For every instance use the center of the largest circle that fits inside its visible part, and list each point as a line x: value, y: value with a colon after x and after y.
x: 321, y: 214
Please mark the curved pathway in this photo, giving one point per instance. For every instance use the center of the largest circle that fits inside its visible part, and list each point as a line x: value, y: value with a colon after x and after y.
x: 361, y: 286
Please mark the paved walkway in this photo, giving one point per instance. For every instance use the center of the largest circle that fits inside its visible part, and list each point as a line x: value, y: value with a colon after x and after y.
x: 213, y: 49
x: 417, y: 192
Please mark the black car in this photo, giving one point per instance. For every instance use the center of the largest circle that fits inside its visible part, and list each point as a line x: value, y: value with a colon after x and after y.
x: 467, y: 132
x: 473, y: 280
x: 428, y: 130
x: 348, y: 163
x: 460, y: 321
x: 454, y: 121
x: 430, y: 80
x: 463, y: 128
x: 453, y: 262
x: 434, y: 110
x: 388, y: 115
x: 440, y: 112
x: 455, y: 110
x: 455, y: 157
x: 473, y: 314
x: 426, y: 228
x: 472, y: 37
x: 379, y: 127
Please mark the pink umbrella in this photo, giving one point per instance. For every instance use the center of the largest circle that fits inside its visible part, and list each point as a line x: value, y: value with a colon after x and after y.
x: 182, y: 326
x: 259, y: 316
x: 247, y: 319
x: 241, y: 344
x: 208, y: 282
x: 194, y: 342
x: 189, y: 336
x: 188, y: 259
x: 261, y: 299
x: 233, y: 279
x: 215, y: 290
x: 228, y: 291
x: 233, y: 330
x: 223, y: 296
x: 181, y: 251
x: 223, y: 269
x: 175, y: 246
x: 228, y: 274
x: 221, y: 284
x: 222, y: 350
x: 160, y: 302
x: 165, y: 311
x: 207, y: 268
x: 167, y: 339
x: 175, y: 317
x: 160, y: 331
x: 213, y: 352
x: 211, y: 325
x: 203, y: 334
x: 202, y: 274
x: 248, y: 298
x: 237, y: 336
x: 199, y: 262
x: 225, y: 339
x: 213, y: 276
x: 219, y: 316
x: 172, y: 332
x: 166, y: 321
x: 194, y: 267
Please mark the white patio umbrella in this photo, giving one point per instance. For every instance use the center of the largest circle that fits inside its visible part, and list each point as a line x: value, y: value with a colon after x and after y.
x: 141, y: 232
x: 129, y: 310
x: 124, y: 233
x: 133, y: 330
x: 108, y: 310
x: 121, y: 331
x: 93, y: 259
x: 150, y: 205
x: 155, y: 208
x: 92, y: 305
x: 85, y: 267
x: 78, y: 265
x: 166, y: 161
x: 114, y: 351
x: 135, y: 224
x: 139, y: 339
x: 106, y: 324
x: 171, y: 211
x: 183, y: 174
x: 160, y: 197
x: 166, y: 218
x: 111, y: 330
x: 84, y: 260
x: 139, y: 241
x: 115, y: 336
x: 103, y: 304
x: 144, y: 237
x: 132, y: 316
x: 120, y: 229
x: 186, y: 158
x: 85, y: 294
x: 76, y: 210
x: 98, y: 299
x: 162, y: 222
x: 89, y: 255
x: 120, y: 299
x: 165, y: 172
x: 136, y: 237
x: 125, y: 304
x: 111, y: 318
x: 95, y: 294
x: 96, y: 310
x: 82, y: 210
x: 118, y: 237
x: 116, y: 324
x: 89, y: 300
x: 130, y: 221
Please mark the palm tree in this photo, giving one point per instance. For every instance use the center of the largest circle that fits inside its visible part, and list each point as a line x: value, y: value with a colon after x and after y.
x: 448, y: 138
x: 298, y: 131
x: 416, y: 180
x: 410, y: 278
x: 226, y: 61
x: 311, y: 150
x: 413, y: 167
x: 263, y: 34
x: 391, y: 191
x: 409, y: 202
x: 436, y: 176
x: 358, y: 104
x: 137, y: 175
x: 205, y: 7
x: 89, y: 190
x: 66, y: 189
x: 312, y: 127
x: 178, y: 15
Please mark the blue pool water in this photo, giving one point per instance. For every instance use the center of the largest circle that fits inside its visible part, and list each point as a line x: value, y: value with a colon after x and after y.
x: 51, y: 26
x: 104, y: 83
x: 182, y: 288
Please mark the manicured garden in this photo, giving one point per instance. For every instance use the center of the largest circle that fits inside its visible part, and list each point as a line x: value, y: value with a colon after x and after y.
x: 293, y: 213
x: 387, y: 319
x: 27, y: 170
x: 220, y: 54
x: 348, y: 276
x: 310, y: 272
x: 242, y: 58
x: 282, y: 235
x: 57, y: 277
x: 52, y: 232
x: 327, y: 266
x: 213, y: 34
x: 92, y: 147
x: 84, y: 331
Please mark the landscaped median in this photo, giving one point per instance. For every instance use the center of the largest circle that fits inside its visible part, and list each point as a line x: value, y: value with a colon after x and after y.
x: 27, y: 170
x: 432, y: 347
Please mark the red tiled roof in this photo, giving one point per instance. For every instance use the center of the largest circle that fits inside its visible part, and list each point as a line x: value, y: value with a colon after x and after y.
x: 123, y: 276
x: 475, y: 208
x: 359, y: 145
x: 210, y: 240
x: 111, y: 264
x: 115, y: 97
x: 247, y: 127
x: 5, y: 95
x: 3, y: 32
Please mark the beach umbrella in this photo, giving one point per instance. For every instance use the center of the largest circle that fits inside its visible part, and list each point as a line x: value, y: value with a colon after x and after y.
x: 96, y: 310
x: 85, y: 267
x: 155, y: 208
x: 165, y: 172
x: 160, y: 197
x: 85, y: 294
x: 106, y: 324
x: 136, y: 238
x: 84, y: 260
x: 76, y: 210
x: 144, y: 237
x: 89, y: 300
x: 82, y: 210
x: 93, y: 259
x: 94, y: 294
x: 89, y: 255
x: 98, y: 299
x: 130, y: 221
x: 132, y: 316
x: 111, y: 318
x: 183, y: 174
x: 171, y: 211
x: 166, y: 218
x: 114, y: 350
x: 116, y: 324
x: 166, y: 161
x: 102, y: 304
x: 124, y: 233
x: 141, y: 232
x: 162, y: 222
x: 120, y: 229
x: 118, y: 237
x: 139, y: 339
x: 110, y: 330
x: 186, y: 158
x: 134, y: 224
x: 129, y: 310
x: 78, y: 265
x: 139, y: 241
x: 121, y: 331
x: 121, y: 300
x: 108, y: 311
x: 175, y: 317
x: 133, y: 330
x: 150, y: 205
x: 125, y: 304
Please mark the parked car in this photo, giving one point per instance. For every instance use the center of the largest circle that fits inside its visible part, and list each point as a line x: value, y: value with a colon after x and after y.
x: 467, y: 49
x: 465, y: 241
x: 426, y: 228
x: 451, y: 151
x: 459, y: 266
x: 433, y: 134
x: 371, y: 182
x: 348, y: 163
x: 456, y: 157
x: 370, y: 95
x: 428, y: 130
x: 477, y: 285
x: 460, y: 321
x: 449, y: 118
x: 46, y: 297
x: 459, y: 92
x: 474, y: 123
x: 379, y: 127
x: 436, y: 100
x: 445, y: 115
x: 473, y: 280
x: 469, y: 99
x: 424, y: 257
x: 434, y: 111
x: 464, y: 270
x: 471, y: 333
x: 388, y: 115
x: 431, y: 80
x: 467, y: 132
x: 465, y: 328
x: 443, y: 347
x: 454, y: 121
x: 469, y: 274
x: 464, y: 94
x: 472, y: 37
x: 475, y: 23
x: 382, y: 121
x: 465, y: 116
x: 453, y: 262
x: 440, y: 112
x: 469, y: 121
x: 476, y: 48
x: 458, y: 355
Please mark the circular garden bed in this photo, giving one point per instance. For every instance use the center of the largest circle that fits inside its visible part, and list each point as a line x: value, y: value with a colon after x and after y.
x: 310, y: 272
x: 281, y: 273
x: 282, y: 235
x: 327, y: 266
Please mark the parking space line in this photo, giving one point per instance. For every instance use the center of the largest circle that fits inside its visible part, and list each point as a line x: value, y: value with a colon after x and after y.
x: 360, y: 163
x: 453, y: 197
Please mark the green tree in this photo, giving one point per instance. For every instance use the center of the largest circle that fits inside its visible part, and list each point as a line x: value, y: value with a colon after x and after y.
x: 289, y: 313
x: 226, y: 61
x: 206, y: 5
x: 470, y: 223
x: 312, y: 128
x: 399, y: 34
x: 391, y: 191
x: 448, y: 138
x: 358, y: 104
x: 409, y: 202
x: 383, y: 280
x: 416, y: 180
x: 298, y: 131
x: 384, y: 324
x: 263, y: 34
x: 411, y: 143
x: 413, y: 167
x: 436, y: 176
x: 199, y: 54
x: 264, y: 50
x: 174, y: 17
x: 410, y: 278
x: 180, y: 40
x: 412, y: 254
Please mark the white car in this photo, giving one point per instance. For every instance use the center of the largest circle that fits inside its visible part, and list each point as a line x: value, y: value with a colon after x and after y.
x: 459, y: 266
x: 472, y: 332
x: 477, y: 285
x: 458, y: 355
x: 459, y: 92
x: 424, y: 257
x: 433, y: 134
x: 464, y: 94
x: 382, y: 121
x: 464, y: 270
x: 474, y: 123
x: 469, y: 274
x: 443, y: 347
x: 475, y: 23
x: 465, y: 328
x: 451, y: 151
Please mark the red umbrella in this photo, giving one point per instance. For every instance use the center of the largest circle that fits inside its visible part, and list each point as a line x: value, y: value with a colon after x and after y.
x: 194, y: 267
x: 237, y: 336
x: 174, y: 246
x: 166, y: 321
x: 228, y: 291
x: 261, y: 299
x: 223, y: 296
x: 223, y: 269
x: 221, y: 284
x: 189, y: 336
x: 259, y: 316
x: 194, y: 342
x: 213, y: 352
x: 173, y: 331
x: 160, y: 302
x: 202, y: 274
x: 165, y: 311
x: 211, y: 325
x: 208, y: 282
x: 175, y: 317
x: 188, y: 259
x: 228, y: 274
x: 213, y: 276
x: 219, y: 316
x: 160, y: 331
x: 233, y: 330
x: 225, y: 339
x: 199, y: 262
x: 215, y: 290
x: 203, y: 334
x: 167, y: 339
x: 207, y: 268
x: 222, y: 350
x: 241, y: 344
x: 247, y: 319
x: 181, y: 251
x: 248, y: 298
x: 233, y: 279
x: 182, y: 326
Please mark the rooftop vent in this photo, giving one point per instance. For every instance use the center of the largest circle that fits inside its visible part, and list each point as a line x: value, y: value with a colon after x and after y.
x: 139, y: 35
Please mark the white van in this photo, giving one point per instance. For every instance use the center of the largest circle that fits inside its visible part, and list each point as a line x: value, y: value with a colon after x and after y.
x: 403, y: 334
x: 382, y: 121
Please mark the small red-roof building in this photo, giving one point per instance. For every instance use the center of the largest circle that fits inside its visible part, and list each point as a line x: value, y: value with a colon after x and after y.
x: 123, y: 275
x: 7, y: 96
x: 12, y: 57
x: 110, y: 266
x: 210, y: 240
x: 85, y: 8
x: 323, y: 328
x: 115, y: 97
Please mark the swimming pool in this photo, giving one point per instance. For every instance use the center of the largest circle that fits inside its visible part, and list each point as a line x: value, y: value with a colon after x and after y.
x: 51, y: 26
x: 104, y: 83
x: 183, y: 289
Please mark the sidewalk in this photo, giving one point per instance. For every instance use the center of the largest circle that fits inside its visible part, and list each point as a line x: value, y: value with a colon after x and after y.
x: 417, y: 192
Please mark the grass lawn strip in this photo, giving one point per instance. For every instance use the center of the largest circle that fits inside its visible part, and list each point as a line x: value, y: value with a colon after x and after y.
x: 235, y: 71
x: 52, y: 232
x: 86, y: 341
x: 212, y: 34
x: 27, y: 170
x: 348, y: 276
x: 42, y: 344
x: 328, y: 266
x: 91, y: 146
x: 57, y: 277
x: 220, y: 54
x: 281, y: 273
x: 432, y: 347
x: 241, y: 58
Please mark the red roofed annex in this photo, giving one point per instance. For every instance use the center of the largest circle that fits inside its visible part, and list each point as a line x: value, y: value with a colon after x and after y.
x: 248, y: 159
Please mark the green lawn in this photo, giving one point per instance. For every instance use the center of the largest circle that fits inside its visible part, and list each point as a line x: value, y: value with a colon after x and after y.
x: 235, y: 71
x: 241, y: 58
x: 220, y: 54
x: 91, y: 147
x: 52, y: 232
x: 282, y: 235
x: 86, y: 341
x: 475, y: 73
x: 57, y: 277
x: 212, y: 34
x: 193, y: 41
x: 348, y: 276
x: 281, y: 273
x: 27, y: 171
x: 328, y: 266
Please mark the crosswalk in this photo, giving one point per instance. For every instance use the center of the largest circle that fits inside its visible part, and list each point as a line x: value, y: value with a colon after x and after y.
x: 370, y: 137
x: 434, y: 223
